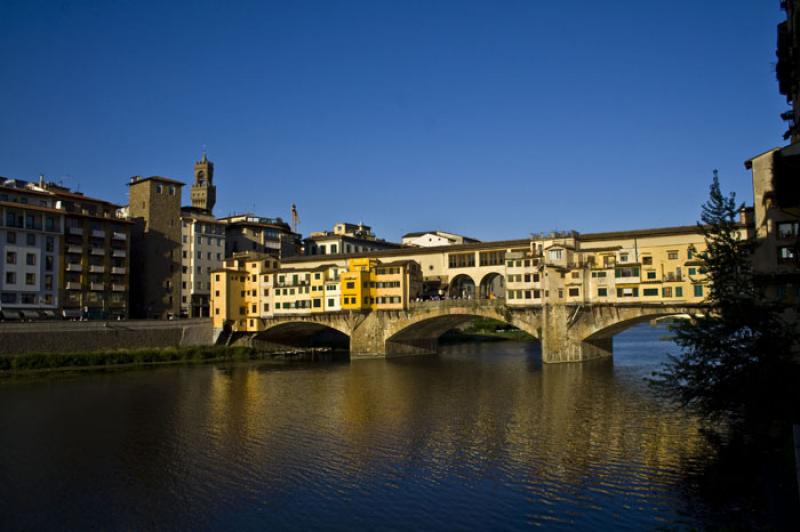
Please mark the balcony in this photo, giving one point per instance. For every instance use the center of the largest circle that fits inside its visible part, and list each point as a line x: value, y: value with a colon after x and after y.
x: 74, y: 267
x: 75, y: 231
x: 73, y: 285
x: 96, y: 286
x: 74, y: 249
x: 118, y: 287
x: 98, y: 233
x: 119, y: 236
x: 95, y: 268
x: 119, y: 253
x: 118, y: 270
x: 98, y: 251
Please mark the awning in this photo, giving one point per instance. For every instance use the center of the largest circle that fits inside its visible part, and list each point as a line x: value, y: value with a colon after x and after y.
x: 11, y: 315
x: 71, y: 313
x: 49, y: 314
x: 30, y: 314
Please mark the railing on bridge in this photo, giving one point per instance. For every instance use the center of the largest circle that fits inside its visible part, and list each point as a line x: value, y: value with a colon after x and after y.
x: 450, y: 303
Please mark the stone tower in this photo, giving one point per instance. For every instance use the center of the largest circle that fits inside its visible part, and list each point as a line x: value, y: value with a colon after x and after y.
x: 155, y: 208
x: 204, y: 193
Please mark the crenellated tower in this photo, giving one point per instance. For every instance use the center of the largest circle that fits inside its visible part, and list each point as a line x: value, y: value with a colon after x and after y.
x: 204, y: 193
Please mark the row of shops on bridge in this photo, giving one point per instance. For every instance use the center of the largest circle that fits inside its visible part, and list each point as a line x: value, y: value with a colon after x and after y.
x: 648, y: 266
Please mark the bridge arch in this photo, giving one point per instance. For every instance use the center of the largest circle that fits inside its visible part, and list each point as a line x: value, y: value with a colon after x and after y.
x: 462, y: 286
x: 420, y: 334
x: 298, y: 333
x: 608, y: 330
x: 493, y: 286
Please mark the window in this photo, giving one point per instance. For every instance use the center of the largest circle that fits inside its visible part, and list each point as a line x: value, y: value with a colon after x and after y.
x: 11, y: 278
x: 30, y: 278
x: 786, y: 254
x: 160, y: 190
x: 627, y: 292
x: 576, y: 275
x: 11, y: 257
x: 666, y: 291
x: 491, y: 258
x: 350, y: 285
x: 698, y: 290
x: 560, y: 293
x: 8, y: 298
x: 787, y: 230
x: 651, y: 274
x: 30, y: 259
x: 48, y: 282
x: 647, y: 260
x: 602, y: 292
x: 317, y: 303
x: 554, y: 254
x: 461, y: 260
x: 598, y: 275
x: 11, y: 237
x: 692, y: 271
x: 650, y: 291
x: 672, y: 255
x: 623, y: 257
x: 626, y: 272
x: 49, y: 244
x: 678, y: 291
x: 574, y: 292
x: 690, y: 252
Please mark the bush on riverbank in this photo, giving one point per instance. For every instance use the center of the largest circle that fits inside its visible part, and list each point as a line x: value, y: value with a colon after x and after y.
x: 119, y: 357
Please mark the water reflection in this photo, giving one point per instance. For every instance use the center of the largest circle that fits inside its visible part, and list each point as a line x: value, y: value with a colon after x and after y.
x: 481, y: 436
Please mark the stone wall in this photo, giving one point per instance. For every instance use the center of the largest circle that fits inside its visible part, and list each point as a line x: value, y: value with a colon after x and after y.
x: 73, y: 337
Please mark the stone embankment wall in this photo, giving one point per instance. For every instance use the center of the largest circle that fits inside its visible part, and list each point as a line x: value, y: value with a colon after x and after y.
x: 86, y: 336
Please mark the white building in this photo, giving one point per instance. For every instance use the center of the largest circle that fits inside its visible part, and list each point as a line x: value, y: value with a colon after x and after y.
x: 428, y: 239
x: 203, y: 250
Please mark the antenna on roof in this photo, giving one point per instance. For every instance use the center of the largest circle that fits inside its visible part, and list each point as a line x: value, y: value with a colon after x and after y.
x: 295, y: 218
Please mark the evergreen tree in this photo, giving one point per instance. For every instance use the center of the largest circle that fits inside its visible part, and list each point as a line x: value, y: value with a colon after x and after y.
x: 737, y: 363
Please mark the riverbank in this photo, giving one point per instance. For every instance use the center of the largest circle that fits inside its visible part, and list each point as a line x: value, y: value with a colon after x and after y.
x: 485, y: 330
x: 122, y: 358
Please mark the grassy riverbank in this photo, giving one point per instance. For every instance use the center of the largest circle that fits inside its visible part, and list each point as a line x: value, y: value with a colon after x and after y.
x: 10, y: 364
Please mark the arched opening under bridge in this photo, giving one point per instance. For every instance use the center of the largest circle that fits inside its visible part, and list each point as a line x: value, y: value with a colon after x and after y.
x: 301, y: 336
x: 425, y: 336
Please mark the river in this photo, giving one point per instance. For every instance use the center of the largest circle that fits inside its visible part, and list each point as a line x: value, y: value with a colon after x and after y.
x: 481, y: 436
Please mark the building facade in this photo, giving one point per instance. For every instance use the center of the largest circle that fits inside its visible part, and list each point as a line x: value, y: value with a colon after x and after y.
x: 345, y: 239
x: 256, y: 234
x: 96, y: 258
x: 203, y: 250
x: 31, y: 240
x: 156, y: 247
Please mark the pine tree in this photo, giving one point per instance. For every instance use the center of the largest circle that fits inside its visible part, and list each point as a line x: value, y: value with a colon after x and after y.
x: 737, y: 362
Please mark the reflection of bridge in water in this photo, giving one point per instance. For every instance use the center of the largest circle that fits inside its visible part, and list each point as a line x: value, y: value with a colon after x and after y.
x: 567, y: 332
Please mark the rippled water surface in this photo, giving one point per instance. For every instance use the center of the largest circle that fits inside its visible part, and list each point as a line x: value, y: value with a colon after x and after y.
x: 481, y: 436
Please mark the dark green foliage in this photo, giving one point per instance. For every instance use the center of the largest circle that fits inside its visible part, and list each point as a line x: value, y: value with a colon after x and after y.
x: 737, y: 363
x: 144, y: 356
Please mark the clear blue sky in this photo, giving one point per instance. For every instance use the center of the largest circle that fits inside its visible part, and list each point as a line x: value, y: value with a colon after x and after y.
x: 490, y: 118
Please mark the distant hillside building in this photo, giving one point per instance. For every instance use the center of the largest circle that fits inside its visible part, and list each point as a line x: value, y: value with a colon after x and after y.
x: 155, y: 206
x: 427, y: 239
x: 345, y: 239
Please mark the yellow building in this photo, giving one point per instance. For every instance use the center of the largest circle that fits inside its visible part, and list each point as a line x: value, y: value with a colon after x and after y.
x: 395, y: 284
x: 355, y: 284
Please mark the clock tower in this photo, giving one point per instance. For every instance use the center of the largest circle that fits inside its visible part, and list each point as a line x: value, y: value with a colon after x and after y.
x: 204, y: 193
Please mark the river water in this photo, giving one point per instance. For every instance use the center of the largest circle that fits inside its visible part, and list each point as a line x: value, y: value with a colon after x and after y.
x: 482, y: 436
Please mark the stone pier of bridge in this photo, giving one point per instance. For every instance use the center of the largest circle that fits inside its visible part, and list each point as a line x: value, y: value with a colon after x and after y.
x: 568, y: 333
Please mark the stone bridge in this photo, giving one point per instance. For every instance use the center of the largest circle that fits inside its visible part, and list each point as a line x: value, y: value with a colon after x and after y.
x: 568, y: 333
